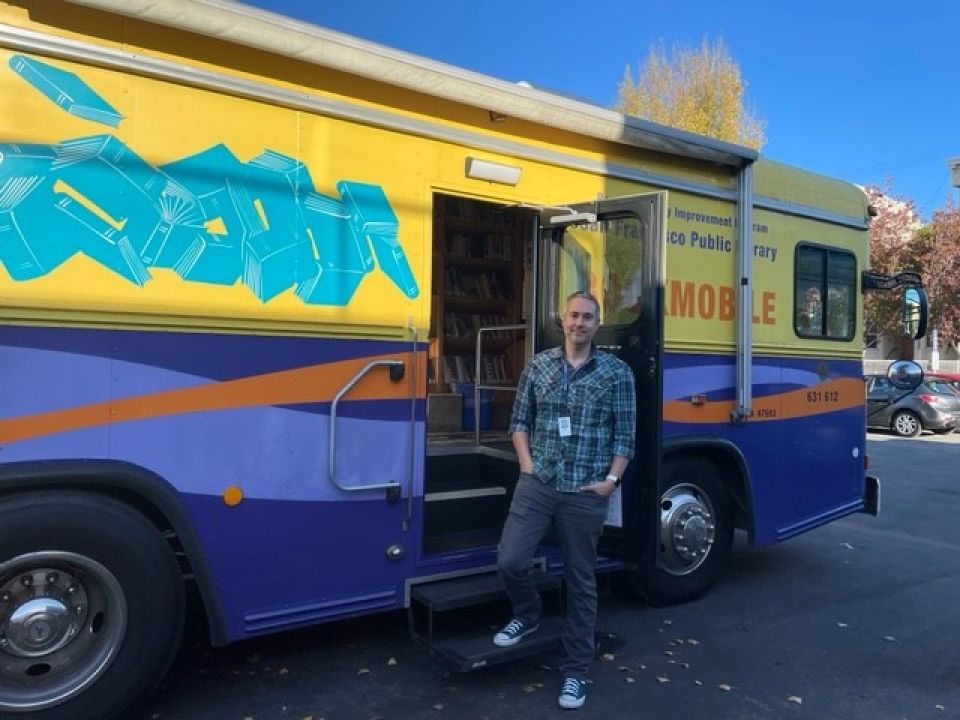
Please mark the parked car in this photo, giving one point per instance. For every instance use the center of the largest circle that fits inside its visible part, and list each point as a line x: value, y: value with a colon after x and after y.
x: 934, y: 405
x: 952, y: 379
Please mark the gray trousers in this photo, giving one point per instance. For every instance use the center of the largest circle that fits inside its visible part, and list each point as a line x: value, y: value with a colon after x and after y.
x: 579, y: 521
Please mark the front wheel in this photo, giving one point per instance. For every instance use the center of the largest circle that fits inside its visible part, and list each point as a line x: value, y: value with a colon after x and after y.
x: 906, y: 424
x: 694, y: 536
x: 91, y: 607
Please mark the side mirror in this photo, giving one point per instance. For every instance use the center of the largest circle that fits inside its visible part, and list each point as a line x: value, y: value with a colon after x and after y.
x: 905, y: 374
x: 914, y: 312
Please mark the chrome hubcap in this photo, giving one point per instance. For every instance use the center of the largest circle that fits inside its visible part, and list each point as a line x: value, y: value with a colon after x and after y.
x: 906, y: 424
x: 62, y: 620
x: 687, y: 529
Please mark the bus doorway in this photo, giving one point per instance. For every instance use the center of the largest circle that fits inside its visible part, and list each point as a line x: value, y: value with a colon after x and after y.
x: 479, y: 342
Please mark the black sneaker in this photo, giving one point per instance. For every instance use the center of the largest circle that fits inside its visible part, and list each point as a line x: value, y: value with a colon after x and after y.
x: 573, y: 693
x: 513, y: 632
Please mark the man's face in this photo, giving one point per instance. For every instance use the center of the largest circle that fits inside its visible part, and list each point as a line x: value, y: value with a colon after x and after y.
x: 580, y: 321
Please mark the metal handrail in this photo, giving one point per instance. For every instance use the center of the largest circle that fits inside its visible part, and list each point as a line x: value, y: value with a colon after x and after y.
x: 333, y: 429
x: 477, y: 387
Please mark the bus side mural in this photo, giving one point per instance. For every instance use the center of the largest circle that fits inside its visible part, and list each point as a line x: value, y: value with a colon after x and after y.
x: 209, y: 217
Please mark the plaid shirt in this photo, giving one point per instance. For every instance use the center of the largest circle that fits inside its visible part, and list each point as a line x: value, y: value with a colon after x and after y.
x: 601, y: 404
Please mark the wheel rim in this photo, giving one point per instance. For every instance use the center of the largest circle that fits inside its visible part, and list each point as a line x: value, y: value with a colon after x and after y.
x: 687, y: 529
x: 62, y: 620
x: 906, y: 424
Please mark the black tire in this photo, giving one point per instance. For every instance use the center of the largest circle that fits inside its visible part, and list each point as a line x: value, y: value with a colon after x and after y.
x: 101, y: 661
x: 695, y: 535
x: 906, y: 423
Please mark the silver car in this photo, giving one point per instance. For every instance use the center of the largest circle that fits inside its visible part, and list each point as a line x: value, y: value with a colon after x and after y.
x: 934, y: 405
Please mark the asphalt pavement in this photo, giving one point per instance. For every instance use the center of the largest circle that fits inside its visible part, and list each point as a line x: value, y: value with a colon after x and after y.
x: 852, y: 621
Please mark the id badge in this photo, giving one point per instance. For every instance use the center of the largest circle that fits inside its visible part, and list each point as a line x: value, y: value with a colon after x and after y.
x: 563, y: 424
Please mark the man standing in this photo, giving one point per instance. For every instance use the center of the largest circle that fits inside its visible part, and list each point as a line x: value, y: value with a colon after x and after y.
x: 573, y: 427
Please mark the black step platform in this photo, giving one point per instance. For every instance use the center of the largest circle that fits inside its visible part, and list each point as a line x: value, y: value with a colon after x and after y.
x: 447, y: 616
x: 463, y: 592
x: 473, y: 652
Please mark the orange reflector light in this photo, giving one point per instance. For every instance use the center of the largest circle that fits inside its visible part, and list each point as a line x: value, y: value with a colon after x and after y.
x: 232, y: 495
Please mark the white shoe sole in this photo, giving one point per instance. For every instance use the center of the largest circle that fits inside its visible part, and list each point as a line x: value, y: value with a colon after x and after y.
x: 571, y: 704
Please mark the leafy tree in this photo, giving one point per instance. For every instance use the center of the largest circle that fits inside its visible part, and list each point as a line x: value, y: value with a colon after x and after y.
x: 936, y: 250
x: 891, y: 230
x: 899, y: 241
x: 694, y: 89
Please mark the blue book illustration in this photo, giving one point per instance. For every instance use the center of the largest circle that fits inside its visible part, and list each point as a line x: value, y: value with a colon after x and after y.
x: 66, y: 90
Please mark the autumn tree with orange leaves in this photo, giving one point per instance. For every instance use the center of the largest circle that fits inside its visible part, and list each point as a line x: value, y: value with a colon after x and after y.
x: 899, y: 240
x: 936, y: 251
x: 699, y: 90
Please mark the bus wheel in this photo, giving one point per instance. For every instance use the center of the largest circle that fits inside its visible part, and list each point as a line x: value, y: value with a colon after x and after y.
x: 694, y: 536
x: 906, y: 424
x: 91, y: 607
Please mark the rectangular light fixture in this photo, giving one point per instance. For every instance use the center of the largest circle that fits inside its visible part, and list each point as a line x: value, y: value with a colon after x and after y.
x: 492, y: 171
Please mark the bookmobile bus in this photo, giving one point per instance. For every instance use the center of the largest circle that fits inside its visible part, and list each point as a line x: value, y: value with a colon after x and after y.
x: 266, y: 290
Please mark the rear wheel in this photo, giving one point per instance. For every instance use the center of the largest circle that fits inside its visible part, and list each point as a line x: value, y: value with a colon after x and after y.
x: 91, y: 607
x: 695, y: 534
x: 906, y: 424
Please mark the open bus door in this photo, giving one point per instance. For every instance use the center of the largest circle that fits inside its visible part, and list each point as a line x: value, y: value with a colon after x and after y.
x: 614, y: 248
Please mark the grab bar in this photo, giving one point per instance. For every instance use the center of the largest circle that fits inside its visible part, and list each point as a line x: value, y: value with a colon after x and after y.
x: 477, y: 387
x: 396, y: 374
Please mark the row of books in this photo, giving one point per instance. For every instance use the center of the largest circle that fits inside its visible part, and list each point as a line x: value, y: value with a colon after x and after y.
x: 469, y: 210
x: 460, y: 369
x: 488, y: 285
x: 490, y: 246
x: 458, y: 325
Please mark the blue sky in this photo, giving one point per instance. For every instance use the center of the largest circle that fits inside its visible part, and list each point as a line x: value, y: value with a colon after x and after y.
x: 864, y: 91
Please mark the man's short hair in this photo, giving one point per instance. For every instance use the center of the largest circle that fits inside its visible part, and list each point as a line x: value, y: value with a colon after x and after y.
x: 586, y: 295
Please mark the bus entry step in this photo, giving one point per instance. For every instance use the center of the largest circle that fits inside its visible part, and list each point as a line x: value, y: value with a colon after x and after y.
x: 473, y: 652
x: 445, y: 595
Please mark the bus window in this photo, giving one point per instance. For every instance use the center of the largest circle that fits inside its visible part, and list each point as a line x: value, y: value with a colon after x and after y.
x: 605, y: 258
x: 824, y: 287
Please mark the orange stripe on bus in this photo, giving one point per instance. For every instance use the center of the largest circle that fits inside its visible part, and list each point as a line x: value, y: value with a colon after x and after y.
x: 824, y: 397
x: 316, y: 383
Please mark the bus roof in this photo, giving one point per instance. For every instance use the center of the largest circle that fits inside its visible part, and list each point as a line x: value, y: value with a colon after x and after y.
x: 271, y: 32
